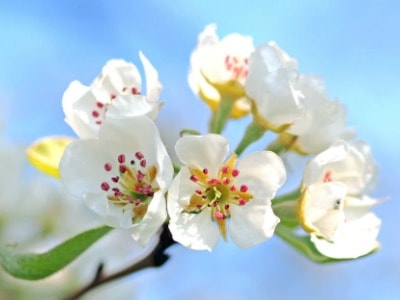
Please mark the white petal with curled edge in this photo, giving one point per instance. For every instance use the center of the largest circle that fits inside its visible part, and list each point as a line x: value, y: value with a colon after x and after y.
x: 153, y: 85
x: 321, y: 208
x: 132, y: 105
x: 353, y: 239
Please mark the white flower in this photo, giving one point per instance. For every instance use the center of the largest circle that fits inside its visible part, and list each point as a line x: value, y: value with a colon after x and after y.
x: 334, y: 207
x: 122, y: 176
x: 210, y: 194
x: 271, y: 83
x: 220, y: 62
x: 116, y: 91
x: 323, y: 122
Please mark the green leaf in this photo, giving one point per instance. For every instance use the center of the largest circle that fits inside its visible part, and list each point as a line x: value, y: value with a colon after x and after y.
x: 33, y: 266
x: 304, y: 245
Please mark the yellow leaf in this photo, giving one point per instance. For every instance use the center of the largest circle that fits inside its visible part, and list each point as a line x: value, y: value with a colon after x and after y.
x: 45, y: 154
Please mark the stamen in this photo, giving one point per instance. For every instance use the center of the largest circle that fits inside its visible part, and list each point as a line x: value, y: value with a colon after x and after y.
x: 95, y: 113
x: 105, y: 186
x: 99, y: 104
x: 143, y: 163
x: 226, y: 181
x: 121, y: 158
x: 225, y: 169
x: 242, y: 201
x: 244, y: 188
x: 235, y: 173
x: 140, y: 176
x: 139, y: 155
x: 219, y: 215
x: 328, y: 177
x: 205, y: 171
x: 112, y: 96
x: 194, y: 178
x: 122, y: 169
x: 107, y: 167
x: 115, y: 179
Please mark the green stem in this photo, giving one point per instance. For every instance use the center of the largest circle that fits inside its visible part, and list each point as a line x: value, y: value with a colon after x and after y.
x: 220, y: 117
x: 253, y: 133
x: 287, y: 212
x: 276, y: 146
x: 293, y: 195
x: 302, y: 244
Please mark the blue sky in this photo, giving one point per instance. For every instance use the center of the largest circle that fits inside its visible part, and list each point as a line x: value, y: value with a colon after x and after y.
x: 354, y: 45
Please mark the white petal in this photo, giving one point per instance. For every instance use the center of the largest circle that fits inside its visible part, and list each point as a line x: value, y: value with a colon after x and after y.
x: 132, y: 105
x: 252, y: 224
x: 117, y: 74
x: 82, y: 167
x: 263, y: 172
x: 322, y: 208
x: 271, y: 84
x: 133, y: 134
x: 110, y: 214
x: 153, y: 85
x: 346, y: 164
x: 154, y: 218
x: 195, y: 231
x: 76, y: 116
x: 208, y: 151
x: 74, y: 91
x: 353, y: 239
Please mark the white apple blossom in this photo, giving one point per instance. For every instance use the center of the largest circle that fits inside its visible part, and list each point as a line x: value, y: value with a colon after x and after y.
x: 334, y: 206
x: 272, y: 85
x: 212, y: 196
x: 122, y: 176
x: 117, y: 91
x: 220, y: 62
x: 323, y: 122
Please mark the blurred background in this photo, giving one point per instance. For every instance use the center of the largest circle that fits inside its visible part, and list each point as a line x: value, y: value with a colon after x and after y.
x: 354, y: 45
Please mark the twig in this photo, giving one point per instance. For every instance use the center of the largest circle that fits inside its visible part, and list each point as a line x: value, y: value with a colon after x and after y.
x: 155, y: 259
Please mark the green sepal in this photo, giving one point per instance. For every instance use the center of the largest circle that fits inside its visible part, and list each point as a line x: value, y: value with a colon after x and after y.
x: 35, y: 266
x: 188, y: 131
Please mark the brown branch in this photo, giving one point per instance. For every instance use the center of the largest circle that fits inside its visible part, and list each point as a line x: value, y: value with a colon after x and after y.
x: 156, y: 258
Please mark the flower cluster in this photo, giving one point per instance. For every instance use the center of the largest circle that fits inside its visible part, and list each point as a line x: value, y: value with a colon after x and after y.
x: 121, y: 169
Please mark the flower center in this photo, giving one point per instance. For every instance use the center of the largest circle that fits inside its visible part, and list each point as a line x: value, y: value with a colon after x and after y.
x: 239, y: 67
x: 218, y: 193
x: 99, y: 111
x: 132, y: 185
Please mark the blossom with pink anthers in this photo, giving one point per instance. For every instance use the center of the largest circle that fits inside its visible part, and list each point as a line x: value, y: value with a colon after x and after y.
x: 213, y: 196
x: 122, y: 176
x: 272, y: 85
x: 117, y: 91
x: 223, y: 62
x: 335, y: 206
